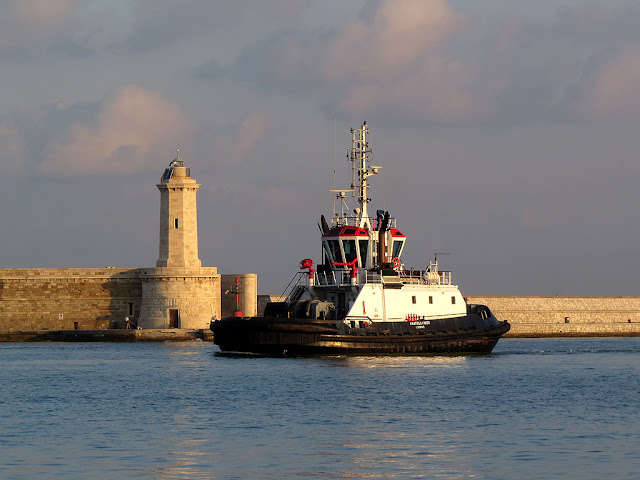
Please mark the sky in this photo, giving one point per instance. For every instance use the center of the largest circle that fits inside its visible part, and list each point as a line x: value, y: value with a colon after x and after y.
x: 508, y: 132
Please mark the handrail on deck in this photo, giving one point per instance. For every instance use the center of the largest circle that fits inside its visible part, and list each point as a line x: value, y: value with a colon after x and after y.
x: 343, y: 277
x: 346, y: 220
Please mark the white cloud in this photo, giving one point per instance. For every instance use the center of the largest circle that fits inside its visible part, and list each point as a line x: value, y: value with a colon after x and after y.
x: 439, y: 91
x: 131, y: 128
x: 400, y: 34
x: 253, y: 129
x: 27, y: 23
x: 422, y: 61
x: 612, y: 89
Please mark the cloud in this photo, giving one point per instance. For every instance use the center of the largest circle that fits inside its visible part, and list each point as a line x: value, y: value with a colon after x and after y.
x: 13, y: 149
x: 234, y: 145
x: 380, y: 61
x: 157, y: 24
x: 252, y: 131
x: 555, y: 70
x: 382, y: 46
x: 421, y: 61
x: 73, y: 28
x: 610, y: 89
x: 127, y: 131
x: 412, y: 98
x: 399, y: 35
x: 29, y: 23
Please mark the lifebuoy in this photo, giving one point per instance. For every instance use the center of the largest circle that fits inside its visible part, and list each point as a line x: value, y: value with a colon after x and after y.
x: 395, y: 262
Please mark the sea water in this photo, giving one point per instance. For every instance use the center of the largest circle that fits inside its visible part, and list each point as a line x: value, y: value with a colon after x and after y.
x: 534, y: 409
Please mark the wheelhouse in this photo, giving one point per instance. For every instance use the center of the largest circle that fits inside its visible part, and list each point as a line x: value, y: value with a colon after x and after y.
x: 344, y: 244
x: 396, y: 241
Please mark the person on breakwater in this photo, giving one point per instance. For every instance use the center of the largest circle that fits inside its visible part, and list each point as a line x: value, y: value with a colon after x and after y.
x: 126, y: 321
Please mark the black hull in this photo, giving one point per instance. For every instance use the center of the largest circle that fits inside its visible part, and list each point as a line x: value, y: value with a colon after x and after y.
x: 466, y: 335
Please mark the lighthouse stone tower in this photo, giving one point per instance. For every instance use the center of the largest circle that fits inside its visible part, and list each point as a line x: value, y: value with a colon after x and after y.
x: 179, y: 292
x: 178, y: 217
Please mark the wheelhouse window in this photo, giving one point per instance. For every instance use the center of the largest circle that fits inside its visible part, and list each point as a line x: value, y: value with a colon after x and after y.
x: 364, y: 252
x: 327, y: 253
x: 334, y: 250
x: 349, y: 250
x: 413, y: 299
x: 430, y: 300
x: 453, y: 300
x: 397, y: 248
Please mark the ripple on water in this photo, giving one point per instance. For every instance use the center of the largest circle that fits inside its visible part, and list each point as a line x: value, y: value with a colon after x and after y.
x: 533, y: 409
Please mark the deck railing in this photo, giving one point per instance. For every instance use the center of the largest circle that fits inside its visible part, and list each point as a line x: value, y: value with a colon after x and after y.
x: 344, y: 277
x: 345, y: 220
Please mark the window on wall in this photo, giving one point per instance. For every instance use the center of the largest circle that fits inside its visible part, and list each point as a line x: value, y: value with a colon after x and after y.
x: 130, y: 308
x: 453, y: 300
x: 430, y: 300
x: 413, y: 299
x: 175, y: 223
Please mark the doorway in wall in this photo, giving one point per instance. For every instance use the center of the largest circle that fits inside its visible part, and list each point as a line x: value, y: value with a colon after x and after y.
x: 174, y: 318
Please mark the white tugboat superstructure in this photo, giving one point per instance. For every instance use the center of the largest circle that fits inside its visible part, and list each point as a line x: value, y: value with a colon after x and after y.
x: 361, y: 298
x: 362, y: 273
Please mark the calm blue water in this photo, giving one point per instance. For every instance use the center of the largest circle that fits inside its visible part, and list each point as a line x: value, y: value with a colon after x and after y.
x: 534, y: 409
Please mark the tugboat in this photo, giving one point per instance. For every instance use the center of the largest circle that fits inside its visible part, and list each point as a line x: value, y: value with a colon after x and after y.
x: 361, y: 299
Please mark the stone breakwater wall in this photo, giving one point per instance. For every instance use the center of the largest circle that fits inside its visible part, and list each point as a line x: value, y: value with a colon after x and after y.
x: 99, y: 298
x: 566, y: 316
x: 555, y: 316
x: 66, y: 298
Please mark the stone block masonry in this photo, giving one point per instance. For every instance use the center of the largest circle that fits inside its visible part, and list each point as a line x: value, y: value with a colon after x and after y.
x: 566, y: 316
x: 174, y: 297
x: 100, y: 298
x: 68, y: 298
x: 178, y: 219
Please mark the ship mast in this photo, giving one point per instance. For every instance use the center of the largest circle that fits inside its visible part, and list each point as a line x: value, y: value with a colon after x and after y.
x: 360, y: 155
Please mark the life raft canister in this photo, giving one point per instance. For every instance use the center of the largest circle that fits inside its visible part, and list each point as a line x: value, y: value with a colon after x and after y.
x: 395, y: 262
x: 306, y: 263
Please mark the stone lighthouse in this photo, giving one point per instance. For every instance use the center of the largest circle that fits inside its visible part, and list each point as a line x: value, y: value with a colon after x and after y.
x: 179, y: 292
x: 178, y: 217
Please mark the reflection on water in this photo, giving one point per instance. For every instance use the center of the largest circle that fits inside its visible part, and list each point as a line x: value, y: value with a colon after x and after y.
x: 533, y: 409
x: 398, y: 456
x: 403, y: 362
x: 185, y: 461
